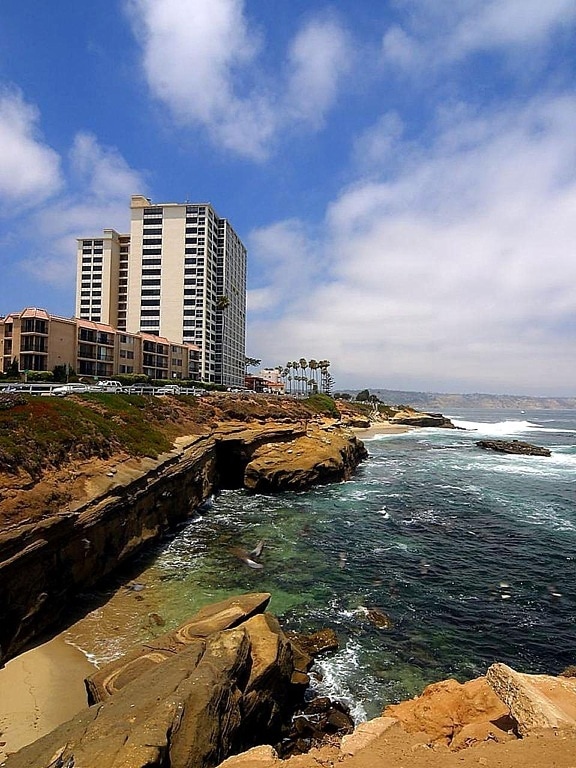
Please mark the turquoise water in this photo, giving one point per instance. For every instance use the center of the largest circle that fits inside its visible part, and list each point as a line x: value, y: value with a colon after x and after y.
x: 471, y: 554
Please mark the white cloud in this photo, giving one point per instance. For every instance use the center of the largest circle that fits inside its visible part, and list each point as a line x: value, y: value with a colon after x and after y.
x: 440, y: 32
x: 201, y: 60
x: 98, y: 196
x: 318, y: 59
x: 285, y: 253
x: 376, y: 146
x: 458, y: 272
x: 29, y: 168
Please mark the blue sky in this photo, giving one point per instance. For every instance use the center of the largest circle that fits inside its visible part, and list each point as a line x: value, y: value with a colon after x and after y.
x: 402, y: 172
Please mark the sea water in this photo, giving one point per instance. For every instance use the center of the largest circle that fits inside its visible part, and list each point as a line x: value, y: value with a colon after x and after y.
x: 469, y: 553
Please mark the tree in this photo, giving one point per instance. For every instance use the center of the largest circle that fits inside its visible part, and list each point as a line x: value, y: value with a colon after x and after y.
x: 13, y: 370
x: 324, y: 374
x: 251, y: 362
x: 223, y: 302
x: 303, y: 363
x: 313, y: 365
x: 363, y: 396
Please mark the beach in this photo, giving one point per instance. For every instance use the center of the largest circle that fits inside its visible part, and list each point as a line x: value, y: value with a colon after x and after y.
x: 39, y: 690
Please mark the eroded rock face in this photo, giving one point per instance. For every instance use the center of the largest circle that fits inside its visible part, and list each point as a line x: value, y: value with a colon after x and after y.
x: 445, y: 708
x: 208, y: 621
x: 44, y: 563
x: 535, y: 701
x: 319, y: 456
x: 204, y: 697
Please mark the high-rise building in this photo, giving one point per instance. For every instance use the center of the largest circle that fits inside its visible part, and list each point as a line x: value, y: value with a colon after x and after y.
x: 180, y: 274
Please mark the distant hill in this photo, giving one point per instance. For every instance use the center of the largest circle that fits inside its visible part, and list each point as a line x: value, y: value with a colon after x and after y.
x: 438, y: 401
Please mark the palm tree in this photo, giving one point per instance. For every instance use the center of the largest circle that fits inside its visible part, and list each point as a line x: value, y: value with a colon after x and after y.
x: 325, y: 382
x: 313, y: 365
x: 303, y: 363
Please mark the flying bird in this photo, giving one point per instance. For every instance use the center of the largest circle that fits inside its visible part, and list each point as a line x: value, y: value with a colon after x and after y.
x: 248, y: 557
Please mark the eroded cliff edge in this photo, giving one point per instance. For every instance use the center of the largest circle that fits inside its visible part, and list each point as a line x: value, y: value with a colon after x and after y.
x: 112, y: 506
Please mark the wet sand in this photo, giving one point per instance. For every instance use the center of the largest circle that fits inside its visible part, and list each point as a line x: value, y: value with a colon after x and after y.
x: 39, y: 690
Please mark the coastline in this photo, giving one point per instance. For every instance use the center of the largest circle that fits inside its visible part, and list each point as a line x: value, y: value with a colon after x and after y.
x: 44, y: 686
x: 40, y: 689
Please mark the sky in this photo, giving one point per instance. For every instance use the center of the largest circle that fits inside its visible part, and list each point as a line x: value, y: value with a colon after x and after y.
x: 402, y: 172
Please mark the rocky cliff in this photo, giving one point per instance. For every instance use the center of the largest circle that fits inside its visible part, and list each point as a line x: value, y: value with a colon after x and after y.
x: 121, y: 504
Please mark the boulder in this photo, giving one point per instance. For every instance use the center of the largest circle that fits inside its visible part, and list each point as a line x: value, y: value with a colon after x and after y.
x: 513, y: 446
x: 322, y: 641
x: 445, y: 708
x: 535, y: 701
x: 365, y: 733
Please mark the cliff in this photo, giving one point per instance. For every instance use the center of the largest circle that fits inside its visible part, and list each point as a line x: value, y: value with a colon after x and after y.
x: 115, y: 504
x: 229, y: 679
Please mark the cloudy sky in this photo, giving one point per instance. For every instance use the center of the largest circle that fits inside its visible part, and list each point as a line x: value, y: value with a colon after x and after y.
x: 402, y: 172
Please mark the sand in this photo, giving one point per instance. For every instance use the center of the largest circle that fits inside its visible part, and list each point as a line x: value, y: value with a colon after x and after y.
x: 39, y: 690
x: 382, y: 428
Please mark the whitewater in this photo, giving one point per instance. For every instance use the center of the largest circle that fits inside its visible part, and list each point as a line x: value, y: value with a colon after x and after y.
x: 470, y: 554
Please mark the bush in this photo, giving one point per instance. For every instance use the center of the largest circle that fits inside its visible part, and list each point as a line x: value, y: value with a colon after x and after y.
x: 321, y: 403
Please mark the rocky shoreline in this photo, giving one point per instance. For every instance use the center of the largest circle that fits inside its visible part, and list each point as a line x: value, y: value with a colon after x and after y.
x: 126, y: 504
x: 129, y: 504
x: 221, y: 690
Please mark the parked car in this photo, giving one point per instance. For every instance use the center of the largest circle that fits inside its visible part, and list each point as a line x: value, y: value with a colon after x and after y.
x: 73, y: 388
x: 109, y: 385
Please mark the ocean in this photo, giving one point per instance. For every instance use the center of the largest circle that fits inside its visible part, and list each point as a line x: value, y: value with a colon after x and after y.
x: 470, y: 555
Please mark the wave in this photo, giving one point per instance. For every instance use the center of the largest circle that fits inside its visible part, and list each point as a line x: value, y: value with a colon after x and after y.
x: 508, y: 427
x: 336, y: 674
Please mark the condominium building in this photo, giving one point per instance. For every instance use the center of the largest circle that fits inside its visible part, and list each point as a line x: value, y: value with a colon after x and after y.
x: 180, y: 273
x: 39, y: 341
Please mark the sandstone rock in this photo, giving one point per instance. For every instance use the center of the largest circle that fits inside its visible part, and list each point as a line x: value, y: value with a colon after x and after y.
x: 45, y: 562
x: 317, y: 457
x: 417, y: 419
x: 475, y: 733
x: 214, y: 696
x: 445, y: 708
x: 258, y: 757
x: 365, y: 733
x: 513, y: 446
x: 535, y: 701
x: 209, y: 620
x: 317, y: 642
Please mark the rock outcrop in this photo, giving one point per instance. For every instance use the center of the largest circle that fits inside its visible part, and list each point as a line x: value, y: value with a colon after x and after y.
x: 319, y: 456
x: 189, y: 700
x: 450, y: 713
x: 416, y: 419
x: 535, y: 701
x: 44, y: 563
x: 513, y: 446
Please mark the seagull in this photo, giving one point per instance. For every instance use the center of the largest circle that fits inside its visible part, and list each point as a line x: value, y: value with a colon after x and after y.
x: 248, y: 557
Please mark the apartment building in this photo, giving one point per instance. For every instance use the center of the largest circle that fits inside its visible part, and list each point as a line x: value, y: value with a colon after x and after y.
x: 39, y: 341
x: 180, y: 273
